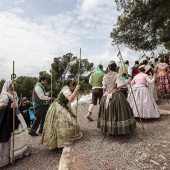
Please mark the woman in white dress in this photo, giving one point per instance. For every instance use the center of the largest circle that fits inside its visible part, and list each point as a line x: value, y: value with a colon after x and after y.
x: 144, y: 98
x: 7, y: 103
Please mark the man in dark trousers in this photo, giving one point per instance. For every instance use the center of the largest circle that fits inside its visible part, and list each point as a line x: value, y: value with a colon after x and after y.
x: 97, y: 89
x: 40, y: 98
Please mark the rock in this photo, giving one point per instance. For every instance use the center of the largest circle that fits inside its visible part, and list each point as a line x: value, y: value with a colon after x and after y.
x: 144, y: 156
x: 64, y: 160
x: 162, y: 156
x: 165, y: 164
x: 165, y: 141
x: 66, y: 150
x: 154, y: 162
x: 156, y: 144
x: 74, y: 158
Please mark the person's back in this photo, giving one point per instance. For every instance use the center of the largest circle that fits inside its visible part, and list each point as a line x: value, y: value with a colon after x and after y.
x: 163, y: 81
x: 142, y: 78
x: 161, y: 67
x: 114, y: 108
x: 95, y: 80
x: 135, y: 69
x: 147, y: 107
x: 148, y: 69
x: 109, y: 81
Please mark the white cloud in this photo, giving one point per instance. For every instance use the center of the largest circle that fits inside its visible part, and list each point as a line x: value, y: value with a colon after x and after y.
x: 33, y: 42
x: 90, y: 5
x: 16, y: 2
x: 16, y: 10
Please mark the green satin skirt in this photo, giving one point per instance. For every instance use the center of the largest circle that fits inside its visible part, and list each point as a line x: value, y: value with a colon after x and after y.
x: 118, y: 117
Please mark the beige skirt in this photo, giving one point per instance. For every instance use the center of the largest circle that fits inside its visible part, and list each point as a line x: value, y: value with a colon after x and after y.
x: 60, y: 127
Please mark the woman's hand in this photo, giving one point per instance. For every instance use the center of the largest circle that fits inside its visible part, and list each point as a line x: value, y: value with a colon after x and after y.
x: 154, y: 76
x: 25, y: 111
x: 127, y: 81
x: 77, y: 88
x: 71, y: 98
x: 13, y: 105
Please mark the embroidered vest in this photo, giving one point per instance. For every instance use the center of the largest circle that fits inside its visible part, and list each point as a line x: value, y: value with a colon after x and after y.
x: 36, y: 100
x: 97, y: 79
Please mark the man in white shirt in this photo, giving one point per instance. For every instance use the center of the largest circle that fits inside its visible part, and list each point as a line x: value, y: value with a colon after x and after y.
x: 40, y: 98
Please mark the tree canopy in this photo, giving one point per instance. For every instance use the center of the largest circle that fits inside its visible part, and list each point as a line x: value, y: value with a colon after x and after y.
x: 61, y: 68
x: 25, y: 86
x: 143, y: 25
x: 66, y: 65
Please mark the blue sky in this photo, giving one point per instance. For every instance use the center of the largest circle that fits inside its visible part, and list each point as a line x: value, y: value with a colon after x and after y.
x: 33, y: 32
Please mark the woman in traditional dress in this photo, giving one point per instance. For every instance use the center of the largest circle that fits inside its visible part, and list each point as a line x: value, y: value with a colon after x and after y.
x: 145, y: 101
x: 115, y: 114
x: 21, y: 137
x: 169, y: 60
x: 61, y: 127
x: 162, y: 78
x: 150, y: 72
x: 135, y: 69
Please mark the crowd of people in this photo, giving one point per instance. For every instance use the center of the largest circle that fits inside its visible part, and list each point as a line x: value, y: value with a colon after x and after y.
x: 123, y: 94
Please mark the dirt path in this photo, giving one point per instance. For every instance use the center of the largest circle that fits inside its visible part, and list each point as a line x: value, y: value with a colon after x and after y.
x: 41, y: 158
x: 147, y: 149
x: 143, y: 150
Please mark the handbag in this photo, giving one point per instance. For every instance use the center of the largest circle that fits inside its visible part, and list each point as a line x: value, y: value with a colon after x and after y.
x: 31, y: 113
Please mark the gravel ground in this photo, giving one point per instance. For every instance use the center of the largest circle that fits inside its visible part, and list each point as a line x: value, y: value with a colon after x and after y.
x: 164, y: 104
x: 147, y: 149
x: 40, y: 159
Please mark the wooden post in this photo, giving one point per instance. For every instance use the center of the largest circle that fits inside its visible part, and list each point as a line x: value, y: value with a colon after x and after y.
x: 13, y: 142
x: 78, y: 82
x: 51, y: 83
x: 131, y: 90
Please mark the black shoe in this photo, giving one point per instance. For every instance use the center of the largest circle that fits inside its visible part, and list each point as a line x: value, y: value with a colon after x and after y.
x: 40, y: 131
x: 89, y: 118
x: 33, y: 134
